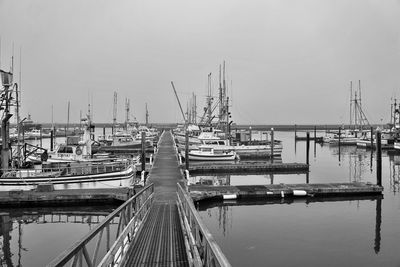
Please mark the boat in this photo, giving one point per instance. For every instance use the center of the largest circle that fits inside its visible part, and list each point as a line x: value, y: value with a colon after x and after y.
x: 121, y: 140
x: 207, y: 153
x: 71, y: 172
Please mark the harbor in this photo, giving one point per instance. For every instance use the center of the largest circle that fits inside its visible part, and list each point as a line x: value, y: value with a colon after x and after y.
x: 199, y: 134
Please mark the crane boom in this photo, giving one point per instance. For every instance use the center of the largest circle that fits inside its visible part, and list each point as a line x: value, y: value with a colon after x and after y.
x: 179, y: 102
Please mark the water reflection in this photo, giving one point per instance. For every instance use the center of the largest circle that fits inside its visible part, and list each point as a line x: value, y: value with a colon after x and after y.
x: 14, y: 223
x: 224, y: 212
x: 394, y: 172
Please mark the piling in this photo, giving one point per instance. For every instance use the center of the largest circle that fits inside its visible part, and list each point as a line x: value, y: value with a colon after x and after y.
x: 250, y: 134
x: 272, y: 145
x: 40, y: 137
x: 308, y: 148
x: 187, y: 150
x: 143, y: 151
x: 315, y: 134
x: 295, y: 131
x: 372, y: 138
x: 340, y: 136
x: 51, y: 140
x: 378, y: 158
x: 104, y: 132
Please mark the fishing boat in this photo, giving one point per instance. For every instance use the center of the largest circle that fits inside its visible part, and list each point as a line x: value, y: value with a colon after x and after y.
x: 119, y: 141
x: 207, y: 153
x: 71, y: 172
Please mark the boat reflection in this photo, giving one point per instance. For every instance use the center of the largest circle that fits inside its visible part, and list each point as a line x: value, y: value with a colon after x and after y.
x: 223, y: 210
x: 12, y: 220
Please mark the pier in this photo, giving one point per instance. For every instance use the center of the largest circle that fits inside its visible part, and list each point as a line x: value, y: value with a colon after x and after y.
x: 202, y: 192
x: 253, y: 167
x: 160, y: 225
x: 29, y: 198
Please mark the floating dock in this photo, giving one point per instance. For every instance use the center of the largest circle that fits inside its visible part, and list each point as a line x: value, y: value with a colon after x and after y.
x: 49, y: 197
x: 202, y: 192
x: 253, y: 167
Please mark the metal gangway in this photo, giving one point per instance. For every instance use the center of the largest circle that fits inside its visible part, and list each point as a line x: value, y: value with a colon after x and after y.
x: 158, y: 226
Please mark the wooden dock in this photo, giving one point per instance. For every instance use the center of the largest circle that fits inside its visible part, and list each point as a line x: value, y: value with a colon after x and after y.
x: 253, y: 167
x: 160, y: 242
x: 29, y: 198
x: 202, y: 192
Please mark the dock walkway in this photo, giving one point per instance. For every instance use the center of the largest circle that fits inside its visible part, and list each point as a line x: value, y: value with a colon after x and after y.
x: 161, y: 240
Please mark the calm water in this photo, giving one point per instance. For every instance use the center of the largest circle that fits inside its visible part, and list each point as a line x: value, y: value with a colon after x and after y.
x: 35, y: 236
x: 312, y: 232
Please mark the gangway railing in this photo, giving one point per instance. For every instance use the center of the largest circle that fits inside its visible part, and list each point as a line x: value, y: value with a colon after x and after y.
x: 202, y: 248
x: 89, y: 252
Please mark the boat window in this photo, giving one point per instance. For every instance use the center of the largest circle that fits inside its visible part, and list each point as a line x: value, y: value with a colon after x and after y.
x: 68, y: 149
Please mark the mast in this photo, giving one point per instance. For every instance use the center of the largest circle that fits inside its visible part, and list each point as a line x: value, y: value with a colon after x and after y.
x: 179, y: 102
x: 115, y: 109
x: 351, y: 104
x: 127, y: 110
x: 17, y: 96
x: 147, y: 116
x: 68, y: 115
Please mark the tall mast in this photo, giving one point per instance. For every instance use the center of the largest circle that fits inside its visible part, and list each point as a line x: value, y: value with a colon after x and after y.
x: 18, y: 99
x: 127, y: 109
x: 68, y: 115
x: 115, y: 109
x: 221, y: 104
x: 351, y: 103
x: 179, y: 102
x: 147, y: 117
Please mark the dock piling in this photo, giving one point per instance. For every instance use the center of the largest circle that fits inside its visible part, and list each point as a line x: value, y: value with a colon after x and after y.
x: 308, y: 148
x: 51, y: 140
x: 295, y: 131
x: 187, y: 150
x: 372, y: 138
x: 272, y: 145
x: 378, y: 158
x: 143, y: 151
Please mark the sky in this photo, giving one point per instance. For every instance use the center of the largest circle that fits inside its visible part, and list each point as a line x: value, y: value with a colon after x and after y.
x: 287, y: 61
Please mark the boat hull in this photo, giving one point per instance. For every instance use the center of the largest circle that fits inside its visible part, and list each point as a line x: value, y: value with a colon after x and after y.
x: 57, y: 178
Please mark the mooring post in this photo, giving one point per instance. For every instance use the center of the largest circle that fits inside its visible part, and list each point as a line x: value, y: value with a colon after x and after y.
x: 340, y: 136
x: 295, y: 131
x: 51, y: 139
x: 187, y: 150
x: 372, y: 138
x: 308, y: 148
x: 378, y: 158
x: 143, y: 151
x: 250, y: 134
x: 104, y: 132
x: 272, y: 145
x: 40, y: 137
x: 315, y: 133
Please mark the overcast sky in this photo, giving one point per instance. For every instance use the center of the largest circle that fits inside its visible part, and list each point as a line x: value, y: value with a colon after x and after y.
x: 288, y: 61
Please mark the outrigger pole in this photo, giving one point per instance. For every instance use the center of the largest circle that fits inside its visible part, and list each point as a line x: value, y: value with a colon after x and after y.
x: 179, y: 102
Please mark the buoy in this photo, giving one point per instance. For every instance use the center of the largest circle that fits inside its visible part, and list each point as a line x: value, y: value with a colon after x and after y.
x: 299, y: 193
x: 231, y: 196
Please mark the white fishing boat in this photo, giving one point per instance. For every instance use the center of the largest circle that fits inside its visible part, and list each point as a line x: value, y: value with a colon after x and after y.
x: 206, y: 153
x: 63, y: 173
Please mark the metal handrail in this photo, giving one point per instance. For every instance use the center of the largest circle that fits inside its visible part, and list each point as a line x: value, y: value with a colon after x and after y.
x: 134, y: 209
x: 203, y: 249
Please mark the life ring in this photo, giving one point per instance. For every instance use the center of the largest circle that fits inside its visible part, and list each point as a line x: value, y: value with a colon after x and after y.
x: 78, y: 151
